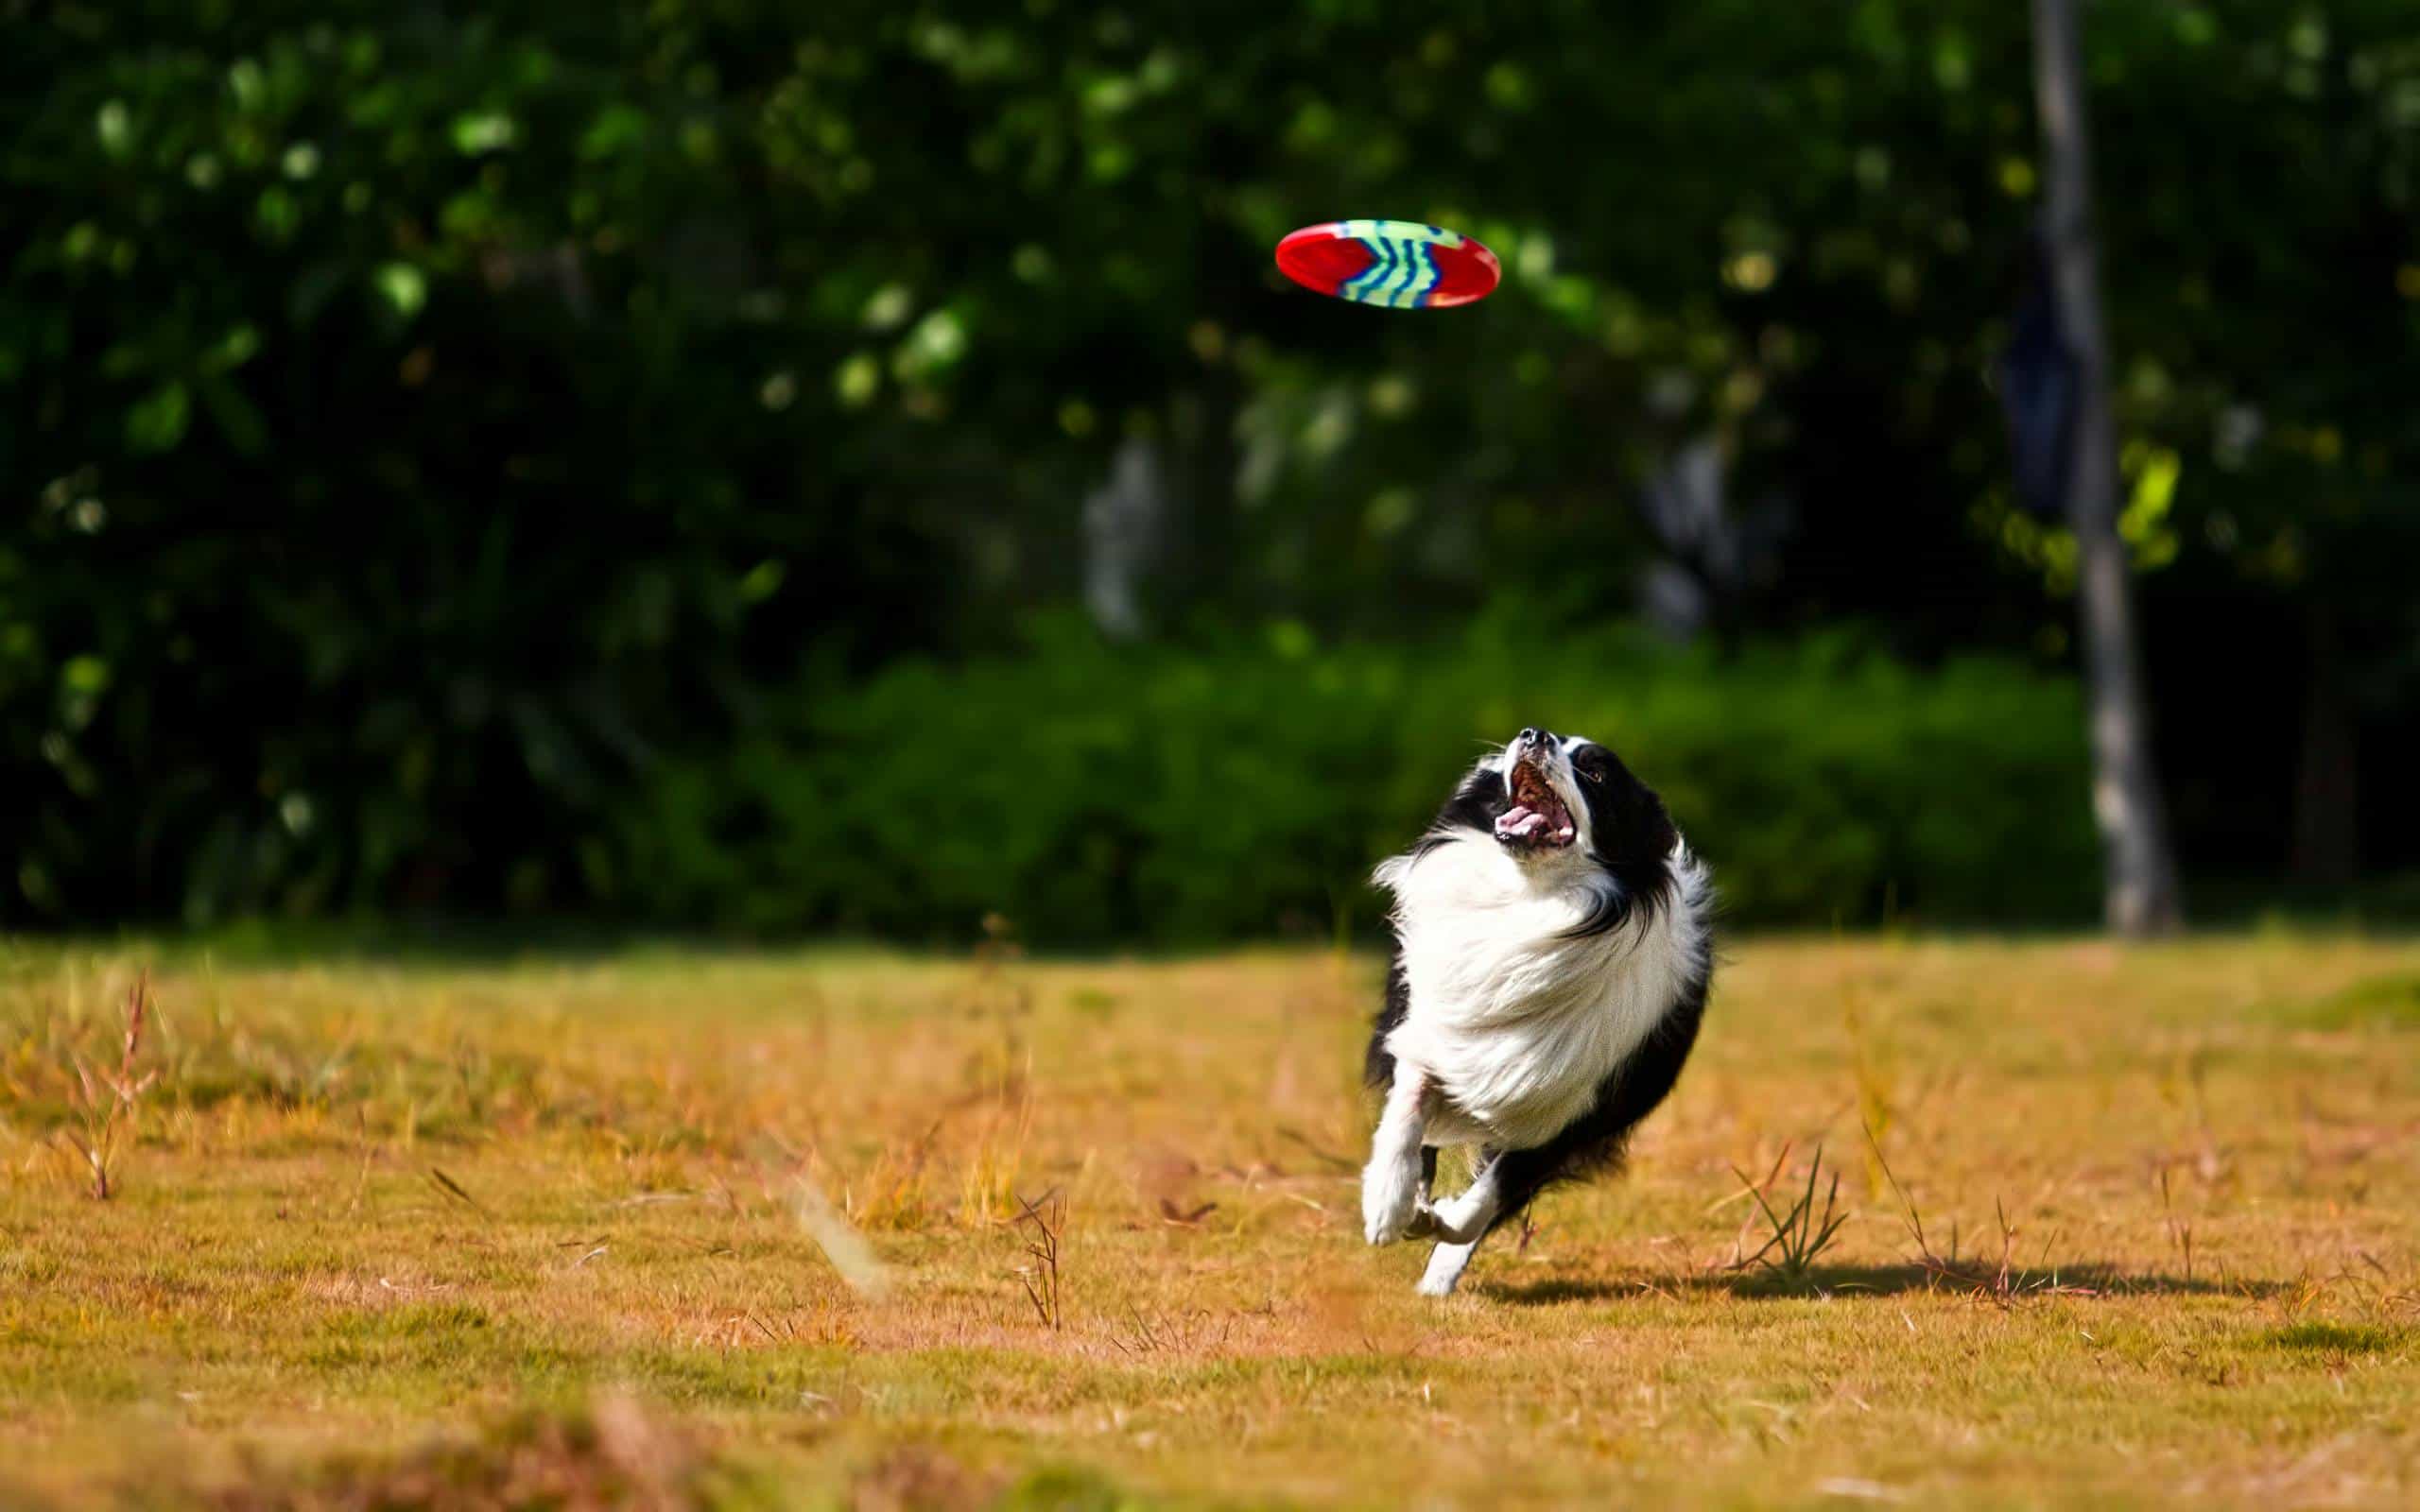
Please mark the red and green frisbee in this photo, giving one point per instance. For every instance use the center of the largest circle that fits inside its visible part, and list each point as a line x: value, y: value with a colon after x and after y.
x: 1397, y: 264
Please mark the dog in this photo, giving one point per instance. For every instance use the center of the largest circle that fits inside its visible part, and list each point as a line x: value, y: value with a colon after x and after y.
x: 1553, y: 950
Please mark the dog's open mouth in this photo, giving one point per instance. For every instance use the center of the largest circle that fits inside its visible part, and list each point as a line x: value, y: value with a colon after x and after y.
x: 1537, y: 820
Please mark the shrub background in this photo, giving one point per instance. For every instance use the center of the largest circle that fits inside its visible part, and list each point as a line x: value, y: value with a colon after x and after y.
x: 1093, y: 794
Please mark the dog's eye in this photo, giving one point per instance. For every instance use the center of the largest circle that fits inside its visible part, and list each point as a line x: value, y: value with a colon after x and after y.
x: 1590, y: 765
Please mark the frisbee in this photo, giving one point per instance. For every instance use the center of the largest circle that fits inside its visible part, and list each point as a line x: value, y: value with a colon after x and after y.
x: 1397, y: 264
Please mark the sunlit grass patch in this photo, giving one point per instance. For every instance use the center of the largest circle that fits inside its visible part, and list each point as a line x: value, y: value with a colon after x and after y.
x: 2389, y: 1001
x: 851, y: 1227
x: 2317, y: 1337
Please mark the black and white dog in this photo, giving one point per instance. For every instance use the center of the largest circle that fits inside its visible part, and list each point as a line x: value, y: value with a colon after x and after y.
x: 1552, y: 952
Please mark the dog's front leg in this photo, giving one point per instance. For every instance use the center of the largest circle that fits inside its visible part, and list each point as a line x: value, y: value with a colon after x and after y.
x: 1391, y: 1182
x: 1446, y: 1263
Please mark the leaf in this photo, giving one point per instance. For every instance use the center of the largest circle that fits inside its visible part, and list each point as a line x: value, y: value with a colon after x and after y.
x: 238, y: 418
x: 476, y: 132
x: 157, y: 422
x: 405, y: 287
x: 617, y: 129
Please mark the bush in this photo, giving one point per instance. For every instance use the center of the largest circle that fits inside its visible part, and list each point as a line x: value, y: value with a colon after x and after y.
x: 1093, y: 793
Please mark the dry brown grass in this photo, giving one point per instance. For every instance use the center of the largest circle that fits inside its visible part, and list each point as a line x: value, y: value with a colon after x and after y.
x: 2134, y: 1225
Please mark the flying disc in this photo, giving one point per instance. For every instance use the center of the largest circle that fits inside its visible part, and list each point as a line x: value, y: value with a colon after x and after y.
x: 1398, y: 265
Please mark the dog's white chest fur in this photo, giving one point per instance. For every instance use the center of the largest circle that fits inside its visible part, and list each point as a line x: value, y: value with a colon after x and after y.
x: 1514, y: 1022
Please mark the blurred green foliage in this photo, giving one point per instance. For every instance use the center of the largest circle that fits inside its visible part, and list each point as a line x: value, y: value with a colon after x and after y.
x: 431, y: 435
x: 1092, y: 793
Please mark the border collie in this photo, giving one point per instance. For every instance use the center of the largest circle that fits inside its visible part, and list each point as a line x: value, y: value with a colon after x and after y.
x: 1552, y: 953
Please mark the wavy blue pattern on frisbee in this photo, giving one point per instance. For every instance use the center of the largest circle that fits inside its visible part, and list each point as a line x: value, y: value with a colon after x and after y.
x: 1403, y: 269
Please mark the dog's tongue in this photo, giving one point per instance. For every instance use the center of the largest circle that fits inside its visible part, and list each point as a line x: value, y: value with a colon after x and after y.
x: 1519, y: 822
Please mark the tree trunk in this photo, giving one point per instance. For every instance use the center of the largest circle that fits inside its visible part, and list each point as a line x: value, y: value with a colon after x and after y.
x: 1126, y: 530
x: 2140, y: 874
x: 2327, y: 830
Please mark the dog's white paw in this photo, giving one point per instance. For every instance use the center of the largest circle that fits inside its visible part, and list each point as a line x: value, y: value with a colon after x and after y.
x: 1445, y: 1266
x: 1390, y: 1198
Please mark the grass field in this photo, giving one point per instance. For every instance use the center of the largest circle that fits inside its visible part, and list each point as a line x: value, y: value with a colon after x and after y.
x: 564, y: 1232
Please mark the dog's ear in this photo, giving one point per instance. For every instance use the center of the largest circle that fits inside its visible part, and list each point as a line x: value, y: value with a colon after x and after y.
x: 1650, y: 834
x: 1626, y: 820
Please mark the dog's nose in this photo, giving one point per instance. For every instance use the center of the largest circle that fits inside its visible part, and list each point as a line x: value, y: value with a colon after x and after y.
x: 1533, y: 737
